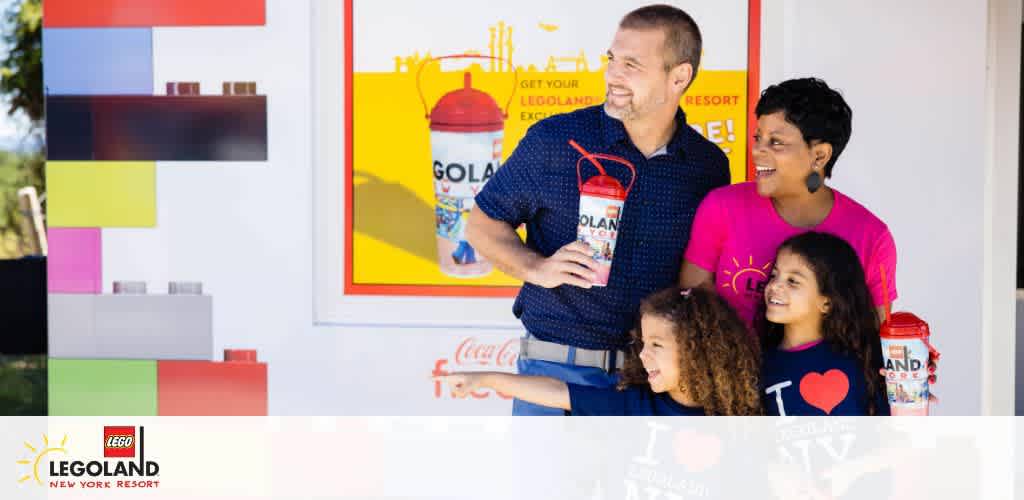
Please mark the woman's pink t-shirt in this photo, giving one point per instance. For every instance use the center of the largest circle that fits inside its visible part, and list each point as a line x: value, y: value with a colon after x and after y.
x: 736, y: 233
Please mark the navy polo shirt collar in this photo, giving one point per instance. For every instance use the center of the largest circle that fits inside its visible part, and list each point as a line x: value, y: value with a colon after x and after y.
x: 614, y: 132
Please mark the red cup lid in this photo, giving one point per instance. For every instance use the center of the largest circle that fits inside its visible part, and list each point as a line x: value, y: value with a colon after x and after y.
x: 905, y: 324
x: 605, y: 186
x: 467, y: 110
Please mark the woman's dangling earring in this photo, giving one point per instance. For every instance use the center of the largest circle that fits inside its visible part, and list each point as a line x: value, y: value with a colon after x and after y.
x: 814, y: 181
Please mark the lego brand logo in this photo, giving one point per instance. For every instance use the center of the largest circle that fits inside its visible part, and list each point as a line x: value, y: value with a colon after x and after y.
x: 118, y: 441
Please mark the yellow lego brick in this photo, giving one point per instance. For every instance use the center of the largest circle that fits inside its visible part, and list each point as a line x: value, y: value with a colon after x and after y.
x: 101, y: 193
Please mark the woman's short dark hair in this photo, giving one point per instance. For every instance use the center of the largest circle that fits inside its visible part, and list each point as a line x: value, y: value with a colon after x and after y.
x: 819, y: 111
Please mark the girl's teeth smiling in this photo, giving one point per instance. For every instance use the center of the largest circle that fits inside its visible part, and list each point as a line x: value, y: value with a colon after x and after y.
x: 764, y: 171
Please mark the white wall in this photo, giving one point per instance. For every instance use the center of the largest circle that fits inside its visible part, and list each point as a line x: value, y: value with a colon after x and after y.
x: 914, y: 73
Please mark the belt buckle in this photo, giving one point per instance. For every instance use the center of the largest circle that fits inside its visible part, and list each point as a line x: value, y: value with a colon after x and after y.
x: 524, y: 351
x: 609, y: 360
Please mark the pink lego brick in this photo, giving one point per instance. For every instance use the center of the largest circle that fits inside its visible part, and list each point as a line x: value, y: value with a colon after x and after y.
x: 74, y: 263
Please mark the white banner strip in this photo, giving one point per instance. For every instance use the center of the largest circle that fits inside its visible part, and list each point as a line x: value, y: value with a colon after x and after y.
x: 504, y: 457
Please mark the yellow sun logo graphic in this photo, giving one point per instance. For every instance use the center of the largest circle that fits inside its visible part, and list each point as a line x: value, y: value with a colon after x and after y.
x: 733, y: 278
x: 46, y: 450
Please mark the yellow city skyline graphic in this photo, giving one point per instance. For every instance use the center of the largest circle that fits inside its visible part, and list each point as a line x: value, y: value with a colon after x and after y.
x: 500, y: 51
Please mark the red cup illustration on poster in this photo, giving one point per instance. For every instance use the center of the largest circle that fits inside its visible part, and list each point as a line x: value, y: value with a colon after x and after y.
x: 601, y: 199
x: 467, y: 129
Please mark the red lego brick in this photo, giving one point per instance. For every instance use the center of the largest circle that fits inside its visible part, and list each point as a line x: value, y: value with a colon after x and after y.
x: 144, y: 13
x: 236, y: 386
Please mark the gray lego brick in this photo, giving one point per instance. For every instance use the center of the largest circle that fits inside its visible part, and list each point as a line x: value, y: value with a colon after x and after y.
x: 132, y: 327
x: 70, y: 324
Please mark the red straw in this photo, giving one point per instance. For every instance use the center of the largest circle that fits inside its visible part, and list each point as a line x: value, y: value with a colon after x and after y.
x: 885, y: 292
x: 587, y: 155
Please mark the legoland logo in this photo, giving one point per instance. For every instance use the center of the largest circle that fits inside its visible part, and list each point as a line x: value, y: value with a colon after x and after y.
x: 119, y: 442
x: 472, y: 354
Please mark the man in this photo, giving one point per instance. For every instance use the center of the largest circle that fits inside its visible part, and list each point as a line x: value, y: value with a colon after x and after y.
x: 575, y: 331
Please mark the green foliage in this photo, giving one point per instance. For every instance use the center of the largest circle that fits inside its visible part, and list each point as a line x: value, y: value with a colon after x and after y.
x: 23, y: 379
x: 23, y: 385
x: 21, y: 74
x: 17, y: 170
x: 21, y: 82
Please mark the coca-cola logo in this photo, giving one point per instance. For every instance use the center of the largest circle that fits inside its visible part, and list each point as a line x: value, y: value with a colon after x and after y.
x: 472, y: 354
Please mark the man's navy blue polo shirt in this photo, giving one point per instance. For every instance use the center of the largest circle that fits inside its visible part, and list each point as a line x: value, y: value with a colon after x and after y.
x: 537, y: 187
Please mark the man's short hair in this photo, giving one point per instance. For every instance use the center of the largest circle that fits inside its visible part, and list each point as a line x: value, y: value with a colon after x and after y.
x: 682, y: 36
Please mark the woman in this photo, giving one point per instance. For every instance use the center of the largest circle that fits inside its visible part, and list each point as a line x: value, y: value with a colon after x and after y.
x: 802, y: 128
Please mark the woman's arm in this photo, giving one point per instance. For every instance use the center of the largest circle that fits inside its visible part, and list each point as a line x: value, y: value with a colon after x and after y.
x: 693, y: 276
x: 544, y: 391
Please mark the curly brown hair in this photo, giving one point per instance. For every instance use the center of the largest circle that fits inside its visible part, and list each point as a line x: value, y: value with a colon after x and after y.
x: 851, y: 325
x: 718, y: 362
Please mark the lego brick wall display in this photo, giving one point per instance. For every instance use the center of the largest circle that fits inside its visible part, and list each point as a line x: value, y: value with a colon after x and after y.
x: 109, y: 122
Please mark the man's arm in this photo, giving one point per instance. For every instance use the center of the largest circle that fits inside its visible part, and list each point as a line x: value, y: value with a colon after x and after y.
x: 499, y: 242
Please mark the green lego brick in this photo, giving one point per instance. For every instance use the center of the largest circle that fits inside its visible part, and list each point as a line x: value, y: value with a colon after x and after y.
x: 102, y: 387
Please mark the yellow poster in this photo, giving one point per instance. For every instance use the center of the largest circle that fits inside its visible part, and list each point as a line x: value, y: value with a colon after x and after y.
x: 409, y: 203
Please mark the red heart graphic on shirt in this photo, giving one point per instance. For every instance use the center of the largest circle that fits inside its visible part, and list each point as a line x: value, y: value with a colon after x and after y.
x: 695, y: 451
x: 826, y: 391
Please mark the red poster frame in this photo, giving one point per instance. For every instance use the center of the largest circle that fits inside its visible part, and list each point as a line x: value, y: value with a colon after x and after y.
x: 352, y: 288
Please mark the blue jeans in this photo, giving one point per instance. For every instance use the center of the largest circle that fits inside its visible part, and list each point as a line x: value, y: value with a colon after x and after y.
x: 581, y: 375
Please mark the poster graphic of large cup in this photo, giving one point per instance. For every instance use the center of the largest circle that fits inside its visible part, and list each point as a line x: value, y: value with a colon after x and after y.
x: 466, y: 135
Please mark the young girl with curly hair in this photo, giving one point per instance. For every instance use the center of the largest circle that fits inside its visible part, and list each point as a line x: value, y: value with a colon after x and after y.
x: 691, y: 355
x: 822, y: 353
